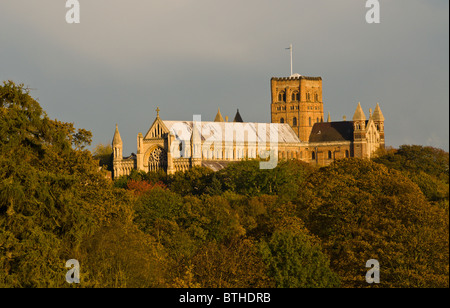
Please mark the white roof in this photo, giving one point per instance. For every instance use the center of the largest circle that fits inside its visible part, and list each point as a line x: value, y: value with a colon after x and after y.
x: 234, y: 131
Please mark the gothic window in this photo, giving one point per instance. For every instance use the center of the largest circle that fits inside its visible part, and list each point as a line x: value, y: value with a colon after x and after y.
x: 316, y: 97
x: 293, y: 96
x: 280, y: 97
x: 330, y: 155
x: 313, y: 155
x: 157, y: 160
x: 294, y: 122
x: 282, y: 120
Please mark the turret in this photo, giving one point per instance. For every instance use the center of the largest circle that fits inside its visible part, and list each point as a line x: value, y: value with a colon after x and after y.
x: 378, y: 120
x: 359, y: 119
x: 117, y: 145
x: 359, y: 133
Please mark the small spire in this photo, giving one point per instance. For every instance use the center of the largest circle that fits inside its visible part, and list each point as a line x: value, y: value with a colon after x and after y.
x: 359, y: 114
x: 329, y: 117
x: 237, y: 117
x: 116, y: 139
x: 219, y: 117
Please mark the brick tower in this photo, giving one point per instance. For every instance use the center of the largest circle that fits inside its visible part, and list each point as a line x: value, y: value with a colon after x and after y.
x: 297, y: 101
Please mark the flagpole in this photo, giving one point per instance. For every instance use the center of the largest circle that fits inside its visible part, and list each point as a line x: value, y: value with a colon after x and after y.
x: 292, y: 70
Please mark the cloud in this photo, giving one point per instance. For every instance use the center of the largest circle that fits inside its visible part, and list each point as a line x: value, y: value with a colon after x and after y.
x: 193, y: 56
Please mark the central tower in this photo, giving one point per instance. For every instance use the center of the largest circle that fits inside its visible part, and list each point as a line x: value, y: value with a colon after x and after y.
x: 297, y: 101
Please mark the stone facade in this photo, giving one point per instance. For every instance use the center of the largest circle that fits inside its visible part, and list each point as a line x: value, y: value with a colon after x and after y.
x: 297, y: 127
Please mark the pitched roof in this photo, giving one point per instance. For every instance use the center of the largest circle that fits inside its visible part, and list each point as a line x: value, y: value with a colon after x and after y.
x: 359, y: 114
x: 377, y: 114
x: 237, y: 117
x: 234, y: 131
x: 332, y: 131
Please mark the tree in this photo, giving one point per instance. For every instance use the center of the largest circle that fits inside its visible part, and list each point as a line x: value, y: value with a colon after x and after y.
x: 362, y: 210
x: 103, y: 153
x: 52, y: 195
x: 295, y: 260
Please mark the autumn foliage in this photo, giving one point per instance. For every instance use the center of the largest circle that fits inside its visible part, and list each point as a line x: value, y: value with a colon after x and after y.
x: 296, y: 226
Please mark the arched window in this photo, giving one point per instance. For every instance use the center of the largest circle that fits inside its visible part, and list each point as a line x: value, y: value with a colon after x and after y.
x: 280, y: 97
x: 293, y: 96
x: 282, y: 120
x: 297, y: 96
x: 316, y: 97
x: 330, y: 155
x: 294, y: 122
x: 284, y: 97
x: 313, y: 155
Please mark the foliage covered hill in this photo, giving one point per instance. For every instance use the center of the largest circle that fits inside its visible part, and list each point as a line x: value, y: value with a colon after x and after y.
x: 53, y: 200
x: 294, y: 226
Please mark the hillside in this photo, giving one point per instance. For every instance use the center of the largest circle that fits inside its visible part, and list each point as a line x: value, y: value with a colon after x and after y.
x: 295, y: 226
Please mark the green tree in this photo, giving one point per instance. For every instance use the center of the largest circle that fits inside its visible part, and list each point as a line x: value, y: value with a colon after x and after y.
x: 362, y: 210
x: 295, y: 260
x: 52, y: 195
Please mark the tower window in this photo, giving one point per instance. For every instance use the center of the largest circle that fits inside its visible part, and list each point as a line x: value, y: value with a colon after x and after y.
x: 316, y: 97
x: 282, y: 120
x: 294, y: 122
x: 310, y: 122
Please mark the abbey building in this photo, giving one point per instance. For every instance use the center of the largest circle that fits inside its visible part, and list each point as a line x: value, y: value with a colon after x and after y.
x: 298, y: 130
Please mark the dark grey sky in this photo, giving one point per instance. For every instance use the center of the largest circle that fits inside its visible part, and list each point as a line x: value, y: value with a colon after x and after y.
x: 127, y: 57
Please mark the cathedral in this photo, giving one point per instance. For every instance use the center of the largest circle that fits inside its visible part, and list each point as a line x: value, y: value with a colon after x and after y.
x: 297, y: 131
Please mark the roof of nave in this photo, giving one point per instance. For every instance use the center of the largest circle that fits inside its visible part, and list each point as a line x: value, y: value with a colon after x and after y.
x: 234, y: 131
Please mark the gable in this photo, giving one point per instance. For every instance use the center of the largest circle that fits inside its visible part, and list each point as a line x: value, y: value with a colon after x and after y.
x: 157, y: 130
